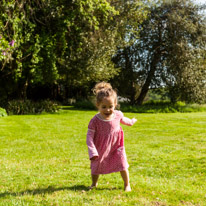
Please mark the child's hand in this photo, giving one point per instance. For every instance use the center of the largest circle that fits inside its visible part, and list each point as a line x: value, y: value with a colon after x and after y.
x: 133, y: 120
x: 94, y: 158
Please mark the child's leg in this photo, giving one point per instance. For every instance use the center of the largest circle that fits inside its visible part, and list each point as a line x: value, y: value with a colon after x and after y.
x: 125, y: 177
x: 94, y: 181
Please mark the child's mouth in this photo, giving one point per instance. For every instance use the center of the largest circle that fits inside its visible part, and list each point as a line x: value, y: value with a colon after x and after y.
x: 107, y: 114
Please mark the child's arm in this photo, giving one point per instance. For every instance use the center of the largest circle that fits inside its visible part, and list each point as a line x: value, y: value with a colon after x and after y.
x: 128, y: 121
x: 93, y: 154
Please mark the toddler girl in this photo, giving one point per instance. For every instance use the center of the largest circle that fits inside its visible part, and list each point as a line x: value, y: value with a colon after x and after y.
x: 105, y: 137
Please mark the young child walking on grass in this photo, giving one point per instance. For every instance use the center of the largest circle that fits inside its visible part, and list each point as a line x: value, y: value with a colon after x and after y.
x: 105, y: 137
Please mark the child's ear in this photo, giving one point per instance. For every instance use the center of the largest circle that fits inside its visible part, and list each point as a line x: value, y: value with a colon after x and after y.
x: 117, y: 106
x: 116, y: 103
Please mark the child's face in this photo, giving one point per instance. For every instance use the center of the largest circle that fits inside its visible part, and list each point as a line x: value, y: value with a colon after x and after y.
x: 106, y: 107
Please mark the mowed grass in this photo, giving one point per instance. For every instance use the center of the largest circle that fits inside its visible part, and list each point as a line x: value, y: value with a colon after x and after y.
x: 44, y: 161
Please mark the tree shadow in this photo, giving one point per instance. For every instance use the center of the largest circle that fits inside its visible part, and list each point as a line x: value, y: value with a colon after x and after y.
x: 48, y: 190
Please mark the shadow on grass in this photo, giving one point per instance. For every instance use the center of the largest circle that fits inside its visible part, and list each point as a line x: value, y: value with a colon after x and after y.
x: 47, y: 190
x: 51, y: 189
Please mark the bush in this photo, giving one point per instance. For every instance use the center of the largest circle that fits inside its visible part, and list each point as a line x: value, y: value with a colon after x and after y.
x: 180, y: 104
x: 18, y: 107
x: 163, y: 107
x: 3, y: 112
x: 148, y: 107
x: 85, y: 104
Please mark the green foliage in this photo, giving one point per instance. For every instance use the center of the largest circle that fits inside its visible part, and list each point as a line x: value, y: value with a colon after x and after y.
x: 163, y: 107
x: 44, y: 161
x: 153, y: 106
x: 60, y: 42
x: 70, y: 44
x: 85, y: 104
x: 18, y: 107
x: 3, y: 112
x: 168, y: 51
x: 157, y: 94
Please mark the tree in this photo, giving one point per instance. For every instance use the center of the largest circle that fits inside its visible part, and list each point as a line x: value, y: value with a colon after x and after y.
x: 186, y: 61
x: 59, y: 42
x: 92, y: 62
x: 168, y: 52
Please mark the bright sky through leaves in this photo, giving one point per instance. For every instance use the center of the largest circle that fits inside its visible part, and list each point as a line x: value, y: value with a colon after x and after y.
x: 199, y: 1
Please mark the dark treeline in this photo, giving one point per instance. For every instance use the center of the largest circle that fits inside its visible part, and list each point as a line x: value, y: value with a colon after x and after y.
x: 59, y: 49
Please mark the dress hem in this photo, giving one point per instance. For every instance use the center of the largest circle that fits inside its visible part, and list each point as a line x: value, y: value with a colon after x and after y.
x: 104, y: 173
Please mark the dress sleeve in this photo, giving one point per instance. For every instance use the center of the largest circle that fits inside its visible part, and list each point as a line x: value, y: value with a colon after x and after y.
x: 127, y: 121
x: 90, y: 140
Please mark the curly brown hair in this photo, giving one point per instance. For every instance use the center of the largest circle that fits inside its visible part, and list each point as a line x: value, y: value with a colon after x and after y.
x: 102, y: 90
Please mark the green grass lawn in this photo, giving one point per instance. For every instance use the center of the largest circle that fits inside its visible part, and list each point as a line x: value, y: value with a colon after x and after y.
x: 44, y: 161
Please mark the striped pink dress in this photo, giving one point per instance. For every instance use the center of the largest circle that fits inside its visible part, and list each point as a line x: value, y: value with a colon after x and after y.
x: 105, y: 139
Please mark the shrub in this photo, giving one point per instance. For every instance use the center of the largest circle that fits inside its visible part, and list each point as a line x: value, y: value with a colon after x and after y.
x: 163, y: 107
x: 180, y: 104
x: 85, y: 104
x: 19, y: 107
x: 149, y: 107
x: 3, y: 112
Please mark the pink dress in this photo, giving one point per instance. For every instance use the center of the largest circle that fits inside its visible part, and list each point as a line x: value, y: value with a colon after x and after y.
x: 105, y: 139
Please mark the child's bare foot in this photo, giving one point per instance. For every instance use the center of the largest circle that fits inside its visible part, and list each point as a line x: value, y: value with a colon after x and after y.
x: 127, y: 188
x: 92, y: 186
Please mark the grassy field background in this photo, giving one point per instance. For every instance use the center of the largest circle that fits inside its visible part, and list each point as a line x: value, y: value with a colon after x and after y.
x: 44, y: 161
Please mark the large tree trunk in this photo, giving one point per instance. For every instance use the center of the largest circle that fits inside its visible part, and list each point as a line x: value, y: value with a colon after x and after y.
x: 129, y: 77
x: 145, y: 87
x: 149, y: 78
